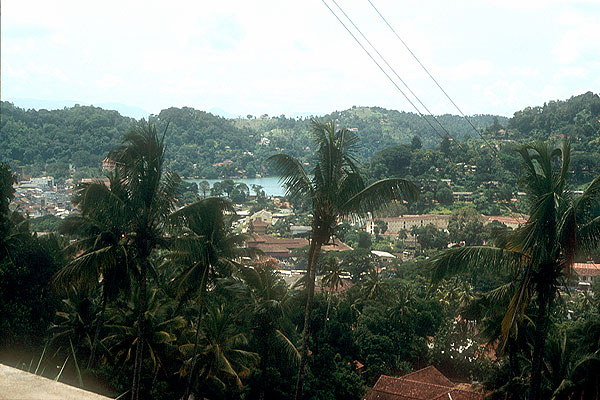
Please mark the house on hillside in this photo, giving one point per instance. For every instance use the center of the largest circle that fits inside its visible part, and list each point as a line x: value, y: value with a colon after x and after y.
x: 383, y: 256
x: 264, y: 215
x: 407, y: 222
x: 425, y: 384
x: 585, y: 274
x: 258, y: 226
x: 281, y: 248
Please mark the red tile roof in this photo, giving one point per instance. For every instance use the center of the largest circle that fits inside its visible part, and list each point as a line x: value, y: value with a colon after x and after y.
x: 506, y: 220
x: 425, y: 384
x: 282, y: 247
x: 586, y: 269
x: 430, y: 375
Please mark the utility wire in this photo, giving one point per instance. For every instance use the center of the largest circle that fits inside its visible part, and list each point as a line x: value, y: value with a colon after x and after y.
x: 384, y: 72
x: 433, y: 79
x: 404, y: 83
x: 394, y: 71
x: 442, y: 89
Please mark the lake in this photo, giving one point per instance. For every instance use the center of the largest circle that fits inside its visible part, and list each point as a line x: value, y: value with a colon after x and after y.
x: 270, y: 184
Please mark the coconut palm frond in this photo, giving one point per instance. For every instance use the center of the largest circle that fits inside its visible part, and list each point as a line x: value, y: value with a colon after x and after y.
x: 292, y: 175
x: 380, y: 194
x: 463, y: 259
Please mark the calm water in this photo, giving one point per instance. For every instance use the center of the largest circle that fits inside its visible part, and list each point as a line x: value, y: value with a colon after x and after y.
x: 270, y: 184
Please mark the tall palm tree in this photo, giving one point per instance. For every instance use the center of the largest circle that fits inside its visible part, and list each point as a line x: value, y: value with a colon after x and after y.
x: 149, y: 198
x: 540, y: 253
x: 270, y: 326
x: 332, y: 280
x: 334, y: 189
x: 101, y: 250
x: 74, y: 320
x: 205, y: 247
x: 222, y: 350
x: 160, y: 333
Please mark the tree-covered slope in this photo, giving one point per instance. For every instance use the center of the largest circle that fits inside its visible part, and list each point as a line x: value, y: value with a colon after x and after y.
x: 40, y: 140
x: 577, y: 118
x: 202, y: 144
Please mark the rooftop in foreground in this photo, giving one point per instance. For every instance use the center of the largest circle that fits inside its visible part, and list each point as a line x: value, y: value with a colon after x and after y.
x: 17, y: 384
x: 425, y: 384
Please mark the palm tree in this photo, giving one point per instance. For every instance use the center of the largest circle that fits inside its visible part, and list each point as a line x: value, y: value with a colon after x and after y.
x: 332, y: 280
x: 101, y: 249
x: 160, y: 333
x: 204, y: 247
x: 334, y: 189
x: 222, y: 351
x: 373, y: 287
x: 75, y: 320
x: 269, y: 293
x: 541, y: 252
x: 149, y: 198
x: 581, y: 380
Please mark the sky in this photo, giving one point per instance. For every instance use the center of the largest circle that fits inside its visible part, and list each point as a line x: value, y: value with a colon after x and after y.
x: 294, y: 57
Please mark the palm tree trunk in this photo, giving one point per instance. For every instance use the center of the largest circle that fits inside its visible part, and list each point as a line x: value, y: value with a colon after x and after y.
x: 188, y: 386
x: 98, y: 327
x: 264, y: 362
x: 329, y: 296
x: 539, y: 342
x: 313, y: 255
x: 139, y: 348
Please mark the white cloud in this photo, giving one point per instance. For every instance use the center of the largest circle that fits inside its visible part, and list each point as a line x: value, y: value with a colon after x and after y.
x: 278, y: 57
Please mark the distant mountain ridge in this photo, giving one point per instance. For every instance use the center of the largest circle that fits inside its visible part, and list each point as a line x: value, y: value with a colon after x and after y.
x: 39, y: 104
x: 200, y: 143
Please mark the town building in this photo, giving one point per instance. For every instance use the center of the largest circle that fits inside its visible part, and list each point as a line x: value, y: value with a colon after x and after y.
x: 425, y: 384
x: 585, y: 274
x: 282, y: 248
x: 263, y: 215
x: 383, y: 256
x: 258, y: 226
x: 511, y: 222
x: 407, y: 222
x: 300, y: 230
x: 43, y: 182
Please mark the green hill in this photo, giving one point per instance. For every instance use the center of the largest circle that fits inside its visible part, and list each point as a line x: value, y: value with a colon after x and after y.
x: 202, y: 144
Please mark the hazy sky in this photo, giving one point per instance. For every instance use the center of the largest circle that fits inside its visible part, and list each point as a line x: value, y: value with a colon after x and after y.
x: 286, y: 57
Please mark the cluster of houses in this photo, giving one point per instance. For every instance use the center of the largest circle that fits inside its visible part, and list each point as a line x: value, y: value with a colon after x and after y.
x: 282, y: 249
x: 42, y: 196
x: 39, y: 196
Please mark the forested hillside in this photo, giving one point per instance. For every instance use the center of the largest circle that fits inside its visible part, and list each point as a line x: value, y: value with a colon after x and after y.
x: 203, y: 145
x: 196, y: 140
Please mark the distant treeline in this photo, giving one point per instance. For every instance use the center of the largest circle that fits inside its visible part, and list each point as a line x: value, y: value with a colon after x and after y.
x: 200, y: 144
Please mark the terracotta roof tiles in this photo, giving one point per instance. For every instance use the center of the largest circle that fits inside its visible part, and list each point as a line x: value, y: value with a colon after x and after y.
x: 586, y: 269
x: 425, y: 384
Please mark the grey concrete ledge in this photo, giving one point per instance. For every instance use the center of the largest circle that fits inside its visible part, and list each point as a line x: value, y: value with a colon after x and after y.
x: 20, y: 385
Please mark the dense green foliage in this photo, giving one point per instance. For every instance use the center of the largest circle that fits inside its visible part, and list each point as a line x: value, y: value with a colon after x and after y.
x: 392, y: 144
x: 137, y: 279
x: 539, y: 254
x: 82, y: 136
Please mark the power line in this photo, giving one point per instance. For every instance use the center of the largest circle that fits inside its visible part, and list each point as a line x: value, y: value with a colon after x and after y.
x: 493, y: 148
x: 384, y: 72
x: 394, y: 71
x: 404, y: 83
x: 432, y: 78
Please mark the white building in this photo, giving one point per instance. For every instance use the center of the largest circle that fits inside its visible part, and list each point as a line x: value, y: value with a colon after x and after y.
x: 44, y: 182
